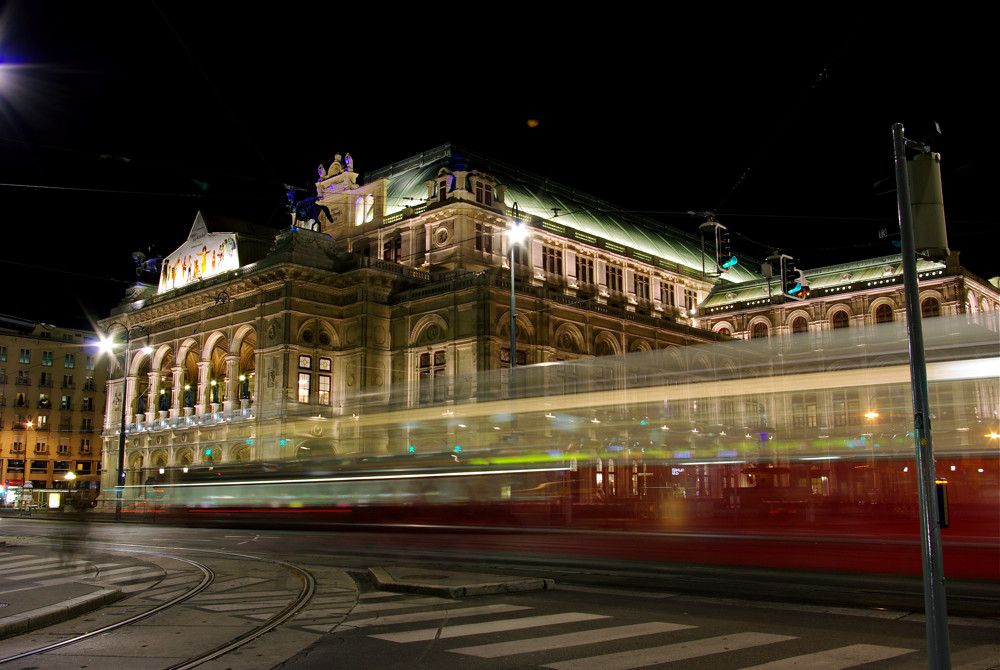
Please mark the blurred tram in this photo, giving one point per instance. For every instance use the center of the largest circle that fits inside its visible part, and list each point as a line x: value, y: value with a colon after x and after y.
x: 813, y: 430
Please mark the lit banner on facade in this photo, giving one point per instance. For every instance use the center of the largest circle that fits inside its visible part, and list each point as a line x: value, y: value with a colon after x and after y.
x: 204, y: 255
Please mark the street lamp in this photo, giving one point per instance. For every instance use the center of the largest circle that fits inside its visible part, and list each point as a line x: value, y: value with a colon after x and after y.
x: 107, y: 346
x: 515, y: 235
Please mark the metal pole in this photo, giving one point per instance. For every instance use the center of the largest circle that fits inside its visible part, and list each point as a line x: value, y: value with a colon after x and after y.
x: 121, y: 436
x: 935, y: 608
x: 513, y: 313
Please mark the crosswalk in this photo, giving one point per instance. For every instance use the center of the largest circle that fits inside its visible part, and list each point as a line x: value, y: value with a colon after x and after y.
x: 398, y: 618
x: 22, y: 571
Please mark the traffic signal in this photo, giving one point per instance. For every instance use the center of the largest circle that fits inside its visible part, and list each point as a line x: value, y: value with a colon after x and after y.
x: 793, y: 280
x: 724, y: 248
x: 719, y: 235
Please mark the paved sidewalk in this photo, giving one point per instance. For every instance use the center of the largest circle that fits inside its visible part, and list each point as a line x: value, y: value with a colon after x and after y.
x: 40, y: 586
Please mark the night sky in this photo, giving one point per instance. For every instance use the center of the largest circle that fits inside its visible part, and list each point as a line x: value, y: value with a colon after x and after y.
x: 118, y: 124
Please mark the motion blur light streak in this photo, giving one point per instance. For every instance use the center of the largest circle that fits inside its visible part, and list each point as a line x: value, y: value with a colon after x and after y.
x: 813, y: 445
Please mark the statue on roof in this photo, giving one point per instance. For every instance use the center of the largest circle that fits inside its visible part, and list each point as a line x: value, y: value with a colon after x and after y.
x: 305, y: 211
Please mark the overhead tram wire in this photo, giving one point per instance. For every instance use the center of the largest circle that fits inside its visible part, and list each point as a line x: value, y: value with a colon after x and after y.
x: 820, y: 77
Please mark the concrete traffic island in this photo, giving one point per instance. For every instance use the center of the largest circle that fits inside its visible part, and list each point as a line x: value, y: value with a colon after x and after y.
x: 452, y: 584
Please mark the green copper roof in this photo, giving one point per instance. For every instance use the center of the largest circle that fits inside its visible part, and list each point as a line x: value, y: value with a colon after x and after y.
x: 866, y: 274
x: 539, y: 196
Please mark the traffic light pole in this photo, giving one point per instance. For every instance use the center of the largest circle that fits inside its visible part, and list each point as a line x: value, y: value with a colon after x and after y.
x: 935, y: 608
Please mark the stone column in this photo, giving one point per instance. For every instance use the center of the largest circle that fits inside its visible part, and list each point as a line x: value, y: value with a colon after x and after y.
x: 202, y: 396
x: 153, y: 396
x: 232, y: 382
x: 177, y: 393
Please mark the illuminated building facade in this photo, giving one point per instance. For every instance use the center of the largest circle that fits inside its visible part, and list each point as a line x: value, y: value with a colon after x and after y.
x: 52, y: 388
x: 849, y: 295
x: 395, y: 291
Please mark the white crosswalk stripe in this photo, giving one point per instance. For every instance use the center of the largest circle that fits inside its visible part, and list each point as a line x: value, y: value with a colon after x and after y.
x: 641, y: 658
x: 835, y: 659
x: 416, y: 617
x: 840, y: 658
x: 568, y: 640
x: 488, y: 627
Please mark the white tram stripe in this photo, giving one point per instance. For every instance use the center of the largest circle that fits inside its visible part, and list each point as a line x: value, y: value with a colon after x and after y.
x: 432, y: 614
x: 568, y: 640
x: 641, y: 658
x: 835, y: 659
x: 426, y: 634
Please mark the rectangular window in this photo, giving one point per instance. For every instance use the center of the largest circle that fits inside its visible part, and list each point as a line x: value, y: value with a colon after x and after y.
x: 87, y: 425
x: 63, y: 448
x: 43, y: 421
x: 25, y: 356
x: 690, y: 299
x: 324, y: 389
x: 17, y: 447
x: 552, y: 260
x: 484, y: 238
x: 67, y: 381
x: 41, y: 448
x: 47, y: 358
x: 305, y: 362
x: 668, y: 294
x: 89, y: 384
x: 430, y: 372
x: 3, y: 354
x: 392, y: 250
x: 88, y: 405
x: 613, y: 276
x: 85, y: 446
x: 585, y: 270
x: 641, y: 285
x: 69, y: 361
x: 45, y: 379
x: 90, y: 362
x: 520, y: 255
x: 484, y: 193
x: 804, y: 410
x: 66, y: 402
x: 325, y: 365
x: 305, y: 386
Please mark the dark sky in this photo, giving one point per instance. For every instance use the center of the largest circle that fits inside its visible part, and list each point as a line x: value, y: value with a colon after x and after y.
x: 117, y: 125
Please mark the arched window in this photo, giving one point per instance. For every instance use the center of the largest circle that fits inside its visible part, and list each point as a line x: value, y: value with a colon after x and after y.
x: 840, y: 319
x: 800, y: 325
x: 359, y: 211
x: 725, y: 331
x: 364, y: 209
x: 883, y: 314
x: 759, y: 330
x: 930, y: 307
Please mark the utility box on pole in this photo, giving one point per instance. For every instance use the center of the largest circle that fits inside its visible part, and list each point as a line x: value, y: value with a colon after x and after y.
x: 927, y: 205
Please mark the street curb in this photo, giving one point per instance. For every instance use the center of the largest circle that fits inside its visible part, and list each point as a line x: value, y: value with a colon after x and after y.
x: 66, y: 609
x: 477, y: 587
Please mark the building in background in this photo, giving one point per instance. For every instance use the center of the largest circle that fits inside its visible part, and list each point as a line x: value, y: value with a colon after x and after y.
x: 52, y: 389
x: 850, y: 295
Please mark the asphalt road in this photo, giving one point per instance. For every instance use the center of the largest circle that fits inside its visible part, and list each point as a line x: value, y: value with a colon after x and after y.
x: 605, y: 613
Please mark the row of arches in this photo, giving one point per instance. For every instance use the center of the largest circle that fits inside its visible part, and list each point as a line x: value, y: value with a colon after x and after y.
x: 838, y: 316
x: 220, y: 371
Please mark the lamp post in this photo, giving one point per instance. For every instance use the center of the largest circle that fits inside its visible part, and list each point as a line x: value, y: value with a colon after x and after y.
x: 107, y: 345
x: 515, y: 235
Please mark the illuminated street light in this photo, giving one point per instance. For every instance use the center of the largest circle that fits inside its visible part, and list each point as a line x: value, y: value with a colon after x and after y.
x: 515, y: 235
x: 107, y: 346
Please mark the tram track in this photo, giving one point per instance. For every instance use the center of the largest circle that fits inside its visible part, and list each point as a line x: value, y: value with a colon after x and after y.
x: 183, y: 604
